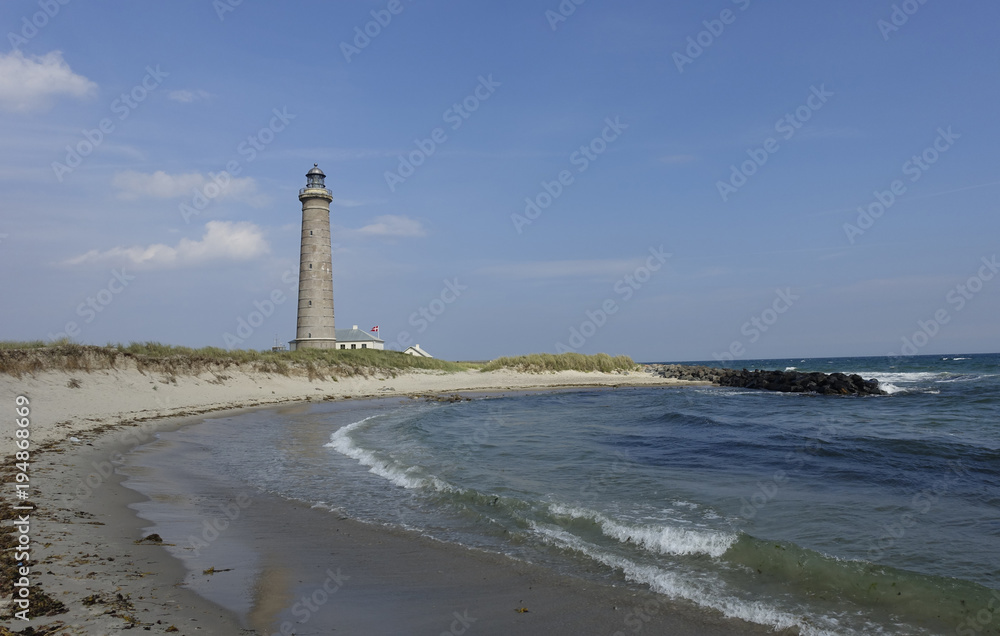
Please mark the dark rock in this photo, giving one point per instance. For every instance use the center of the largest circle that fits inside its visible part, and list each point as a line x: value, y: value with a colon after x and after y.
x: 783, y: 381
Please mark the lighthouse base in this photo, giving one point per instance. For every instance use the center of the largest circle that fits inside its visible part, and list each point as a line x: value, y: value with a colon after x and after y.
x: 312, y: 343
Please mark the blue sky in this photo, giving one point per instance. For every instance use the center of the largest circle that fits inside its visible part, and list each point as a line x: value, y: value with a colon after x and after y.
x: 697, y: 167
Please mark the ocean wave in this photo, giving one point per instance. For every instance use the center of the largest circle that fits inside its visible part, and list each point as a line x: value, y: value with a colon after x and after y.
x: 705, y: 592
x: 662, y: 539
x: 405, y: 476
x: 889, y: 388
x: 892, y: 389
x: 790, y: 368
x: 888, y: 377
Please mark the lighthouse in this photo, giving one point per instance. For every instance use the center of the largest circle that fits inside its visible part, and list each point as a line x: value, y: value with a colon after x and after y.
x: 314, y: 328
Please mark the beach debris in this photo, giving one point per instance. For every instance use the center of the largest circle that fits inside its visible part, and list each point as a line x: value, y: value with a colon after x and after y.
x: 41, y: 630
x: 522, y: 610
x: 150, y: 538
x: 74, y: 439
x: 41, y: 605
x: 445, y: 398
x: 212, y: 570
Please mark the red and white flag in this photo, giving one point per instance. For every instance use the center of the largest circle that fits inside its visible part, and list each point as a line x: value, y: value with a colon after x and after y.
x: 375, y: 329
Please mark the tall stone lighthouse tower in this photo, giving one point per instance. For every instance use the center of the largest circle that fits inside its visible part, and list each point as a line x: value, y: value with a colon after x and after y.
x: 315, y: 319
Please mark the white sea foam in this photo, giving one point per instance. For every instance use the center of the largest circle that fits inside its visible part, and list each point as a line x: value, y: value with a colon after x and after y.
x: 913, y: 376
x: 791, y: 368
x: 404, y: 476
x: 709, y: 591
x: 889, y: 388
x: 662, y: 539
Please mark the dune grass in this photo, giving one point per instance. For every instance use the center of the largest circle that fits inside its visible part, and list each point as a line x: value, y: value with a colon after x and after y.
x: 27, y: 344
x: 20, y: 358
x: 542, y: 362
x: 35, y: 357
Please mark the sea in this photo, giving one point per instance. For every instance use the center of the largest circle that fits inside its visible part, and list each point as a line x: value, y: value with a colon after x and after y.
x: 825, y: 514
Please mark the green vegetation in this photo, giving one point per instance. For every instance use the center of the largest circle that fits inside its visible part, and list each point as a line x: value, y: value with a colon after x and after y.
x: 540, y: 362
x: 18, y: 359
x: 33, y: 344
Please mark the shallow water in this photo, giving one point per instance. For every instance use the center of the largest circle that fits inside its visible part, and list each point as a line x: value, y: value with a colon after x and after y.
x: 833, y: 514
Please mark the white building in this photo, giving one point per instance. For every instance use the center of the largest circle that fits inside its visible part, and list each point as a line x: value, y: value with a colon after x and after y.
x: 355, y: 338
x: 415, y: 350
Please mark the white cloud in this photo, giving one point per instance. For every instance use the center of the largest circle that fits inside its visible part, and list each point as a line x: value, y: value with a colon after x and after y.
x: 222, y: 240
x: 392, y: 226
x: 30, y: 83
x: 134, y: 185
x: 185, y: 96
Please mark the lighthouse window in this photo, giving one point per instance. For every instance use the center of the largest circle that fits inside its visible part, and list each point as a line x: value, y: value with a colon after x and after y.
x: 310, y: 303
x: 310, y: 232
x: 310, y: 336
x: 310, y: 265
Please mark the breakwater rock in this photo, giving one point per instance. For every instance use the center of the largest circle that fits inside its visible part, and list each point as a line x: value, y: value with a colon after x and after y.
x: 783, y: 381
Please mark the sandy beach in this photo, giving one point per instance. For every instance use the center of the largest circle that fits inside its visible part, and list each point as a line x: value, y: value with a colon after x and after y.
x: 88, y: 554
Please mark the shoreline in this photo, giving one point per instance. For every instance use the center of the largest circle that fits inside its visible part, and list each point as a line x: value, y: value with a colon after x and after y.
x: 82, y: 403
x: 85, y: 536
x: 359, y: 577
x: 85, y: 549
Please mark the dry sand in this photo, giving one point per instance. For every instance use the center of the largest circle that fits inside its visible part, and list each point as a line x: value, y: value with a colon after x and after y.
x: 125, y: 395
x: 84, y: 537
